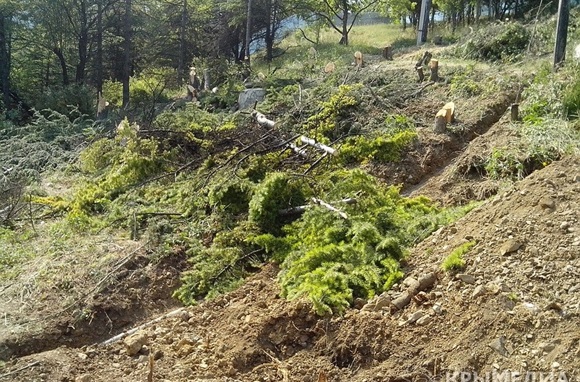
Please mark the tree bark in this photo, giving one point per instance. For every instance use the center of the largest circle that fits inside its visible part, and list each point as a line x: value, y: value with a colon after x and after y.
x: 248, y: 33
x: 4, y: 59
x: 99, y: 57
x: 182, y: 44
x: 83, y: 42
x: 63, y: 67
x: 127, y: 53
x: 344, y: 39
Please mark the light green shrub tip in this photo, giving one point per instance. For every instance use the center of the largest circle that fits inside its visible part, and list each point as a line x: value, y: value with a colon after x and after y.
x: 455, y: 259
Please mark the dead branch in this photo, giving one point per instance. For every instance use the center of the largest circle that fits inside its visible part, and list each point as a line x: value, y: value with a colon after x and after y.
x: 263, y: 120
x: 419, y: 91
x: 316, y: 162
x: 238, y: 260
x: 19, y: 370
x: 120, y: 336
x: 329, y: 207
x: 301, y: 209
x: 276, y: 363
x: 320, y: 146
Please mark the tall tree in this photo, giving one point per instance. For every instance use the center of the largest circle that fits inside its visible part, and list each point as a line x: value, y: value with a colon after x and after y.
x: 5, y: 56
x: 127, y: 52
x: 340, y: 14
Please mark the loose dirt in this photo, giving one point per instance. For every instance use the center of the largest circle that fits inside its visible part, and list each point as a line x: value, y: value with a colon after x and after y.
x: 515, y: 306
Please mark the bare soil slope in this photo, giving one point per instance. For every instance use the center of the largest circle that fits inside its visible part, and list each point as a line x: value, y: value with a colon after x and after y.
x: 514, y: 307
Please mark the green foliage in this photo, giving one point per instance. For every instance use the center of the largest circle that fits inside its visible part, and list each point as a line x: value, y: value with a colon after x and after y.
x: 331, y: 121
x: 331, y: 260
x: 542, y: 142
x: 382, y: 148
x: 150, y: 86
x: 221, y: 266
x: 571, y: 96
x: 63, y: 99
x: 504, y: 164
x: 113, y: 92
x: 278, y: 191
x: 48, y: 141
x: 501, y: 41
x: 465, y: 83
x: 232, y: 195
x: 455, y: 261
x: 124, y: 161
x: 543, y: 98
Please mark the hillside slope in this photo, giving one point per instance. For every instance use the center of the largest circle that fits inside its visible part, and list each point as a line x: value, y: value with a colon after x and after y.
x: 514, y: 311
x: 87, y: 290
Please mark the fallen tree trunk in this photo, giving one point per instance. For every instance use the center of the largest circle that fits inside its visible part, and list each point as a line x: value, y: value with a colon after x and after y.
x: 320, y: 146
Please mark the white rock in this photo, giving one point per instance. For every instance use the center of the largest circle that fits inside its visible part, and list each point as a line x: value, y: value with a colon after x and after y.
x: 415, y: 316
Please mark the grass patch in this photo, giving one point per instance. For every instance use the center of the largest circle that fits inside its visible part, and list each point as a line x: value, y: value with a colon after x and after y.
x: 455, y: 261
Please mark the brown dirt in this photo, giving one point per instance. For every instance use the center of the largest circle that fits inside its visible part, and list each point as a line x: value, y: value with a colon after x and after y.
x: 527, y: 298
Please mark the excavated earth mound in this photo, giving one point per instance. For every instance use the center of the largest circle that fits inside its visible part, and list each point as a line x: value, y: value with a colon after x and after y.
x: 514, y: 308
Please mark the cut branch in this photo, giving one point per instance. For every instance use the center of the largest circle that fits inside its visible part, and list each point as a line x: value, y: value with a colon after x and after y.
x: 19, y: 370
x: 263, y: 120
x: 301, y: 209
x: 329, y: 207
x: 120, y: 336
x: 320, y: 146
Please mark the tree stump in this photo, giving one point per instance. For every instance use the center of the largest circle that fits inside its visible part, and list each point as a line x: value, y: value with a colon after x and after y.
x: 434, y: 65
x: 449, y: 112
x: 424, y: 60
x: 419, y: 70
x: 358, y: 59
x: 388, y: 53
x: 441, y: 121
x: 329, y: 68
x: 515, y: 112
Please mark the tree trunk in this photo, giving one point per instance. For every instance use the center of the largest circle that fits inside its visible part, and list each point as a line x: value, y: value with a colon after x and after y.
x: 99, y: 57
x: 182, y: 44
x: 344, y: 39
x: 561, y: 32
x: 269, y: 37
x: 248, y: 33
x: 83, y: 43
x: 4, y: 60
x: 63, y: 67
x: 127, y: 53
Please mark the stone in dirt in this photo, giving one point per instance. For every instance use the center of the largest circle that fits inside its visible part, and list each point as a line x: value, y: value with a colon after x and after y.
x: 547, y: 203
x: 377, y: 303
x: 479, y: 290
x: 510, y: 246
x: 415, y: 316
x: 468, y: 279
x: 134, y: 343
x: 425, y: 320
x: 249, y: 97
x: 499, y: 346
